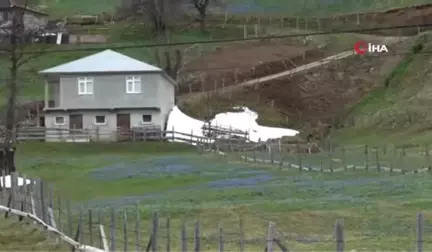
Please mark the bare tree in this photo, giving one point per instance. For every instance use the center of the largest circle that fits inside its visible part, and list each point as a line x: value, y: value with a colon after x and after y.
x: 16, y: 35
x: 161, y: 14
x: 201, y: 7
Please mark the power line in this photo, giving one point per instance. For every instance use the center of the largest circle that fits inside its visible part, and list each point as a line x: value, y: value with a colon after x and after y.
x: 229, y: 40
x: 191, y: 70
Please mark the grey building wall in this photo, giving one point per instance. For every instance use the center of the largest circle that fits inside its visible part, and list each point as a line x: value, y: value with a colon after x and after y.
x: 54, y: 93
x: 167, y: 100
x: 106, y: 131
x: 109, y: 91
x: 31, y: 20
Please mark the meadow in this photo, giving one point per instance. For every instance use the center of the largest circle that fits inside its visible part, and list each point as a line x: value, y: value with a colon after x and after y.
x: 297, y: 7
x: 378, y: 208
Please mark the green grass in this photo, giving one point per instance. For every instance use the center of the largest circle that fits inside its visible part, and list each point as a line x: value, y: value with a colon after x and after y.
x: 41, y: 159
x: 300, y: 8
x: 398, y: 111
x: 26, y: 236
x: 378, y: 209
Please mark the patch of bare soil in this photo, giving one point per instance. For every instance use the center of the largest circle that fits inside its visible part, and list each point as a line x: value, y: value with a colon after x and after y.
x: 236, y: 64
x: 322, y: 96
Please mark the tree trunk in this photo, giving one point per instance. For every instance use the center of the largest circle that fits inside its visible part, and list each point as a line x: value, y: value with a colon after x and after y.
x: 13, y: 90
x: 203, y: 20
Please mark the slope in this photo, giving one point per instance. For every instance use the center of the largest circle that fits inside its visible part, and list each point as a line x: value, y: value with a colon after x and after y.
x: 296, y: 7
x: 24, y: 236
x: 399, y: 111
x: 309, y: 100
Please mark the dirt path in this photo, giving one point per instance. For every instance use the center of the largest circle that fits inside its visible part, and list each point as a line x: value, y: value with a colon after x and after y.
x: 273, y: 76
x: 371, y: 38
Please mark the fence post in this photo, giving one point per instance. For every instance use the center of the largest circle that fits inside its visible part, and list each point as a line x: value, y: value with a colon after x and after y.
x: 172, y: 134
x: 377, y: 159
x: 402, y: 161
x: 14, y: 186
x: 183, y: 237
x: 344, y: 159
x: 339, y: 236
x: 3, y: 185
x: 221, y: 240
x: 81, y: 226
x: 42, y: 200
x: 270, y: 237
x: 366, y: 152
x: 168, y: 227
x: 137, y: 228
x: 155, y: 225
x: 197, y: 237
x: 271, y: 154
x: 113, y: 231
x: 69, y: 216
x: 90, y: 226
x: 59, y: 214
x: 125, y: 231
x: 420, y: 222
x: 25, y: 193
x: 241, y: 234
x: 101, y: 229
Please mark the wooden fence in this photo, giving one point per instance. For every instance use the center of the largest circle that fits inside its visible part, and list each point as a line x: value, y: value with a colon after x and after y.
x: 205, y: 136
x: 36, y: 200
x: 404, y: 159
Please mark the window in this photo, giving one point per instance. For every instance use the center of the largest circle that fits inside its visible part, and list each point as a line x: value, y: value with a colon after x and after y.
x: 100, y: 120
x: 85, y: 85
x: 133, y: 84
x: 59, y: 120
x: 146, y: 118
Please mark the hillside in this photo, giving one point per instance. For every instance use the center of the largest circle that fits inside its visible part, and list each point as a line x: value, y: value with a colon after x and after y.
x: 323, y: 95
x: 401, y: 112
x: 25, y: 236
x: 296, y: 7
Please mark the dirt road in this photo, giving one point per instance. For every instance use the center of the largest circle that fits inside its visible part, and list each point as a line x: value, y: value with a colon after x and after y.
x: 318, y: 63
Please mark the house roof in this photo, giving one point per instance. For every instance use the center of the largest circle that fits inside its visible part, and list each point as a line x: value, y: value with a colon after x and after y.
x: 107, y: 61
x: 6, y: 4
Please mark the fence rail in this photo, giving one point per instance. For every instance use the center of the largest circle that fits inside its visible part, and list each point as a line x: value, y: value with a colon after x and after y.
x: 206, y: 135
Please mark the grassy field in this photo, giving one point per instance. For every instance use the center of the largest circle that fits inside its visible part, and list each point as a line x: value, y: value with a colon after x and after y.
x: 316, y: 7
x: 24, y: 236
x: 378, y: 209
x: 300, y: 8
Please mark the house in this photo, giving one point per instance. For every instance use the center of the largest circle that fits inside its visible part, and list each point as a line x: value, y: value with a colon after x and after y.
x: 107, y: 91
x: 31, y: 18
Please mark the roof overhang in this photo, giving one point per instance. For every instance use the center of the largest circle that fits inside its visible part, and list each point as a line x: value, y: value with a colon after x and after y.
x: 44, y: 72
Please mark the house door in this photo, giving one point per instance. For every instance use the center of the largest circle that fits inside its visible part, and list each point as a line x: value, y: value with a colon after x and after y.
x: 76, y: 121
x: 123, y: 121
